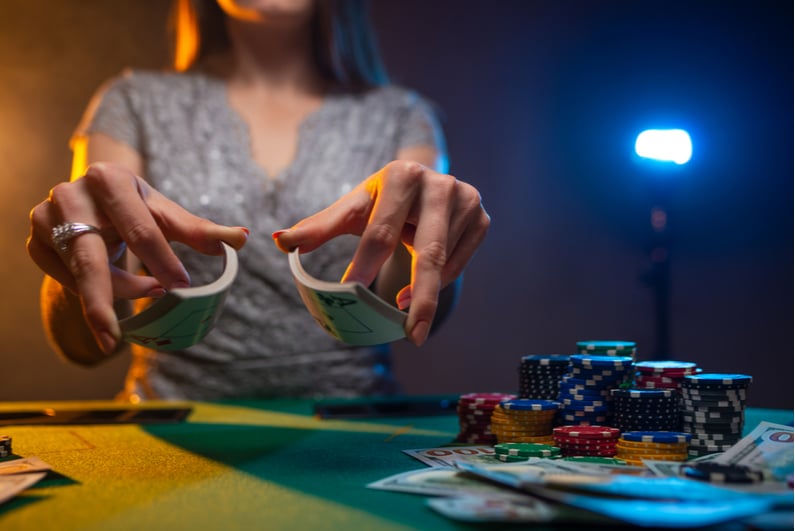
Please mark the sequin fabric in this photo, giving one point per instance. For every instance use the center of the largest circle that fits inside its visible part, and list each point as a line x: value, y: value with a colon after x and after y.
x: 196, y: 151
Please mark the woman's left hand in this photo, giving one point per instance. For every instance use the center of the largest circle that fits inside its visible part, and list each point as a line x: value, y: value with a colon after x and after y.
x: 438, y: 218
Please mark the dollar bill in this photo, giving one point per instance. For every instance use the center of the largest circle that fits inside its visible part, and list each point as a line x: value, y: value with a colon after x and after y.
x: 768, y: 447
x: 447, y: 456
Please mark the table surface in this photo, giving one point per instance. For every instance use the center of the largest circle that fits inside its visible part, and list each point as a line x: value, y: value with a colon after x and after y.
x: 232, y: 465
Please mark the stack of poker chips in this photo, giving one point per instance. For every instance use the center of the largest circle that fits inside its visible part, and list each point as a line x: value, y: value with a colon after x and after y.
x: 592, y: 441
x: 524, y: 420
x: 514, y: 452
x: 585, y: 389
x: 634, y: 446
x: 5, y: 446
x: 713, y: 411
x: 645, y: 410
x: 540, y: 374
x: 662, y: 374
x: 608, y: 348
x: 474, y: 417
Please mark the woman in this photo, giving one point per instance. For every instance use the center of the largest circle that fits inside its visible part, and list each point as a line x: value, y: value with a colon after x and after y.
x: 275, y: 112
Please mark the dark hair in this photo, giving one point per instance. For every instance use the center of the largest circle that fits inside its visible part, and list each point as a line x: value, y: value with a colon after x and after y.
x: 345, y: 48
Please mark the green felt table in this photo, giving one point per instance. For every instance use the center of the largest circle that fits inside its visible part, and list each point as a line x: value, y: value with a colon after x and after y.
x: 237, y: 465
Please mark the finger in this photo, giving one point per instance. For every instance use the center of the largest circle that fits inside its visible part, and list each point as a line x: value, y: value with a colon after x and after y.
x: 347, y: 215
x: 429, y: 254
x: 469, y: 226
x: 121, y: 197
x: 199, y: 233
x: 400, y: 184
x: 93, y: 286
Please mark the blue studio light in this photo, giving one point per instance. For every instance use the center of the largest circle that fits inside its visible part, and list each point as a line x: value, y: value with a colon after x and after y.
x: 667, y: 145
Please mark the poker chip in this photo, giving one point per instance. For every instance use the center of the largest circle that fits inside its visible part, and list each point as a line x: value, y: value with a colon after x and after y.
x: 655, y: 445
x: 723, y: 473
x: 656, y: 436
x: 593, y: 361
x: 511, y: 458
x: 608, y: 348
x: 522, y: 420
x: 590, y: 440
x: 531, y: 405
x: 585, y: 389
x: 595, y: 460
x: 707, y: 380
x: 526, y: 449
x: 636, y: 409
x: 587, y: 432
x: 474, y: 416
x: 666, y: 367
x: 539, y: 375
x: 5, y: 446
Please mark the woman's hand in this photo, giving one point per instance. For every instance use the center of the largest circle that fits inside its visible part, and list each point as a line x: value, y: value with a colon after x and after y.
x: 127, y: 213
x: 438, y: 218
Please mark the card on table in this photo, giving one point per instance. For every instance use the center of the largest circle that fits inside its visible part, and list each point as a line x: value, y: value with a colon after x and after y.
x: 183, y: 316
x: 348, y: 310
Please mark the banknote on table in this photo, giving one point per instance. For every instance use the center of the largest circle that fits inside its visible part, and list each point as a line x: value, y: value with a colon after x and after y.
x: 13, y: 484
x: 19, y: 474
x: 23, y: 466
x: 435, y: 481
x: 768, y: 447
x: 494, y: 509
x: 448, y: 456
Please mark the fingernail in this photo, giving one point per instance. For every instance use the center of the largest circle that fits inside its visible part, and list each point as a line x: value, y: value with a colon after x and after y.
x: 156, y: 293
x: 404, y: 298
x: 245, y: 231
x: 107, y: 342
x: 419, y: 333
x: 278, y: 233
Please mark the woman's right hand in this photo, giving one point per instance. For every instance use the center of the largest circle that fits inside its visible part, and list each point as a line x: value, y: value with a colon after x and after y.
x: 128, y: 213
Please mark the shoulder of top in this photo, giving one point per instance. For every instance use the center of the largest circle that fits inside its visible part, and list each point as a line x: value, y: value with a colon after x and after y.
x: 391, y: 95
x: 143, y: 77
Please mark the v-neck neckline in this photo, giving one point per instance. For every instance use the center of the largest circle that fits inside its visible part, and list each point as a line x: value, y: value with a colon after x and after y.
x: 245, y: 138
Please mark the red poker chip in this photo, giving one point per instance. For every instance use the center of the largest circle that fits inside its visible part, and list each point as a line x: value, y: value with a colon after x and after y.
x: 587, y: 432
x: 570, y: 453
x: 568, y: 444
x: 484, y: 398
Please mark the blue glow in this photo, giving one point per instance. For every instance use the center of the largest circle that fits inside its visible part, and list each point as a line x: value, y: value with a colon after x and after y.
x: 670, y: 145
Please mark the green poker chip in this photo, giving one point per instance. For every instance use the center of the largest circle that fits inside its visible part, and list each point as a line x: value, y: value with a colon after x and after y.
x: 526, y: 450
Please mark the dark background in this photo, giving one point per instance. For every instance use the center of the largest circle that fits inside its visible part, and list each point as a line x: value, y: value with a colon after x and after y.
x: 542, y: 101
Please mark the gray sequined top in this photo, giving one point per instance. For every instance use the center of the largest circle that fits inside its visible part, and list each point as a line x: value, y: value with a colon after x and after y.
x: 196, y: 151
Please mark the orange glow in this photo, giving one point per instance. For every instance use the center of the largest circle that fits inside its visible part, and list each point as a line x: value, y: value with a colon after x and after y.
x: 235, y: 11
x: 79, y: 157
x: 187, y: 45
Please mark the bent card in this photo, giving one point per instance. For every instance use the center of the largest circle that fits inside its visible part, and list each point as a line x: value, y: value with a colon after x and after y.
x: 348, y: 310
x: 183, y: 316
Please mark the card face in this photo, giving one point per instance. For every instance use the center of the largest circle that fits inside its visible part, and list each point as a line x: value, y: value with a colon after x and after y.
x: 348, y: 311
x: 183, y: 316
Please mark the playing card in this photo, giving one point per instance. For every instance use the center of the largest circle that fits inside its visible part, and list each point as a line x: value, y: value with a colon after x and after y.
x: 183, y: 316
x: 348, y: 310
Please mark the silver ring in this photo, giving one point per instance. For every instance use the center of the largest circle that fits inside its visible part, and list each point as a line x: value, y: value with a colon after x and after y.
x: 65, y: 232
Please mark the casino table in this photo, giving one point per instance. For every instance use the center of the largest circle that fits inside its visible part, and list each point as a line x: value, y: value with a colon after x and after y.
x: 232, y: 465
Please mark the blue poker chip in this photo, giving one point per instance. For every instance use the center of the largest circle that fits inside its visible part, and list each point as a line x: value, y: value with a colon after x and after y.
x: 531, y: 405
x: 643, y: 393
x: 601, y: 362
x: 657, y: 436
